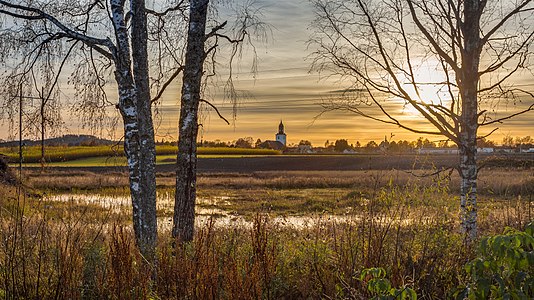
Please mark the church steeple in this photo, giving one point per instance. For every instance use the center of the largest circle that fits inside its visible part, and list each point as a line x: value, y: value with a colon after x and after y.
x: 281, y: 135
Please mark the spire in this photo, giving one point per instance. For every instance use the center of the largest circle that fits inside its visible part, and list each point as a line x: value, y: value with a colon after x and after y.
x: 281, y: 128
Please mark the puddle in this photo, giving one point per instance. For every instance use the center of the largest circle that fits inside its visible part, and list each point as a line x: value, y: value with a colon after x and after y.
x: 118, y: 204
x: 223, y: 218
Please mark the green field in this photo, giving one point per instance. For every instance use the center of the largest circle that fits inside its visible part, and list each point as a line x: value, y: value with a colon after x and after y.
x: 114, y: 155
x: 120, y: 161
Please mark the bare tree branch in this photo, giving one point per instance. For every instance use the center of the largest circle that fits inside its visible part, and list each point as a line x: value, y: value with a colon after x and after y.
x: 515, y: 11
x: 500, y: 120
x: 167, y: 83
x: 178, y: 7
x: 39, y: 14
x: 216, y: 110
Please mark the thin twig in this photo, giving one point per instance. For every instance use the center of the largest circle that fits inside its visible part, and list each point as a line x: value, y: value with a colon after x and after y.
x: 216, y: 110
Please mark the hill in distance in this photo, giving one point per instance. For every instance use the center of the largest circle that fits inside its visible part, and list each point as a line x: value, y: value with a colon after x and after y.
x: 65, y: 140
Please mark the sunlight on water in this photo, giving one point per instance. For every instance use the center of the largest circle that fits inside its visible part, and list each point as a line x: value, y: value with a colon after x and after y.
x: 213, y: 208
x: 223, y: 218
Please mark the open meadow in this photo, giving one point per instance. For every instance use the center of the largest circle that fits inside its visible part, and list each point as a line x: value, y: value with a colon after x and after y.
x: 260, y: 234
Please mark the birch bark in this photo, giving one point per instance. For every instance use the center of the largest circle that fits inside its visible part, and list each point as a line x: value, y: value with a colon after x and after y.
x: 134, y: 106
x: 469, y: 80
x: 186, y: 165
x: 128, y: 53
x: 369, y: 43
x: 145, y: 209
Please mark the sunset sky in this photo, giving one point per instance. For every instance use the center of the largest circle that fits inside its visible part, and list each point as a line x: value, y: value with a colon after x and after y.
x: 285, y: 89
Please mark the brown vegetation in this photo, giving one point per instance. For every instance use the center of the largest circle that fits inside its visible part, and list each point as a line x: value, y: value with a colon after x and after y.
x: 406, y: 224
x: 493, y: 181
x: 6, y: 175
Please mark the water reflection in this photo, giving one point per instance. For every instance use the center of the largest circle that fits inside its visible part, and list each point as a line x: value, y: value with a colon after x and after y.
x: 207, y: 208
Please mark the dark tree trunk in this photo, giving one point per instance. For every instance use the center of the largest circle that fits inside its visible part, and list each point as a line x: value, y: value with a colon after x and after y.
x: 145, y: 210
x: 186, y: 172
x: 43, y: 125
x: 469, y: 118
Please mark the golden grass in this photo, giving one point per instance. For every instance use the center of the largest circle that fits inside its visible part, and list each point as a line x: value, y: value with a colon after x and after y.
x: 69, y: 250
x: 496, y: 182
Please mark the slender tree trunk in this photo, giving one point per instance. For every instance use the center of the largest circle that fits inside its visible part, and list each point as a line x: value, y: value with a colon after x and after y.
x: 469, y: 118
x: 145, y: 210
x: 43, y: 125
x: 135, y: 139
x: 186, y: 172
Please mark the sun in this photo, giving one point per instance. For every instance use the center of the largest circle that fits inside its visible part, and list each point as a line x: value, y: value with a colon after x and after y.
x: 431, y: 87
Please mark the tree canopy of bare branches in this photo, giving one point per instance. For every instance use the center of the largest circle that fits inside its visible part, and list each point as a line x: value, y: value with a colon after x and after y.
x: 451, y: 62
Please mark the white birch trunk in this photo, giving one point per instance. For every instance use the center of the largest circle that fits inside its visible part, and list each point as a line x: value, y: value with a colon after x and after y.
x: 146, y: 228
x: 186, y: 172
x: 468, y: 83
x: 138, y: 140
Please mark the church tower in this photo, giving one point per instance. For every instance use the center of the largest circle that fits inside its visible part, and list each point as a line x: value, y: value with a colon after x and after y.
x: 281, y: 136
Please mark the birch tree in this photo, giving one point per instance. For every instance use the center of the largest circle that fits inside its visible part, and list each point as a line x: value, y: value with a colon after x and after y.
x: 112, y: 38
x: 186, y: 162
x: 477, y: 48
x: 201, y: 50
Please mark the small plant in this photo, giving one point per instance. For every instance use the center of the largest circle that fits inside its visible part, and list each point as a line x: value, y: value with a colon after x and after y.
x: 381, y: 288
x: 504, y: 267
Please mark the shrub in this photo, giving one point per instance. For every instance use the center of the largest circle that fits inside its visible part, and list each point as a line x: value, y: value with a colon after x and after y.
x: 504, y: 267
x: 380, y: 287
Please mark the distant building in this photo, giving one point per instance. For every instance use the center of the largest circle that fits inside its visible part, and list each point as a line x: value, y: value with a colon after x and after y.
x: 281, y: 135
x: 504, y: 149
x: 437, y: 151
x: 305, y: 149
x: 485, y: 150
x: 279, y: 143
x: 275, y: 145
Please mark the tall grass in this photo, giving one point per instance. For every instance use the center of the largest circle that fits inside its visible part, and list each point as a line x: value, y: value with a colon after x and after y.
x: 500, y: 182
x: 49, y: 251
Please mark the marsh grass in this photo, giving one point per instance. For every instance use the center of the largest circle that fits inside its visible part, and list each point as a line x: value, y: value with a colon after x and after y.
x: 497, y: 182
x: 75, y: 250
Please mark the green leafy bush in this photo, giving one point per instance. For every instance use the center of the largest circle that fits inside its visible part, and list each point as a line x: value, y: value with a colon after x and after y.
x: 380, y: 287
x: 504, y: 267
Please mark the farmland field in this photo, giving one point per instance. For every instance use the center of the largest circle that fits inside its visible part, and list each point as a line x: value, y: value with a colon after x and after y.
x: 71, y: 153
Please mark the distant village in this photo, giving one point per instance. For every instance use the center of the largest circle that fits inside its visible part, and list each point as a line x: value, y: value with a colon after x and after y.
x: 339, y: 146
x: 343, y: 146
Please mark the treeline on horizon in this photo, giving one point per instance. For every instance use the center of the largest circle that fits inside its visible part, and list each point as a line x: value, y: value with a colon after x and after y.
x: 77, y: 142
x: 341, y: 145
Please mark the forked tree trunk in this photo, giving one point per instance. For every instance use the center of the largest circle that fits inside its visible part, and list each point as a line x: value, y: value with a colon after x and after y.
x: 145, y: 210
x: 136, y: 136
x: 469, y: 119
x: 186, y: 163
